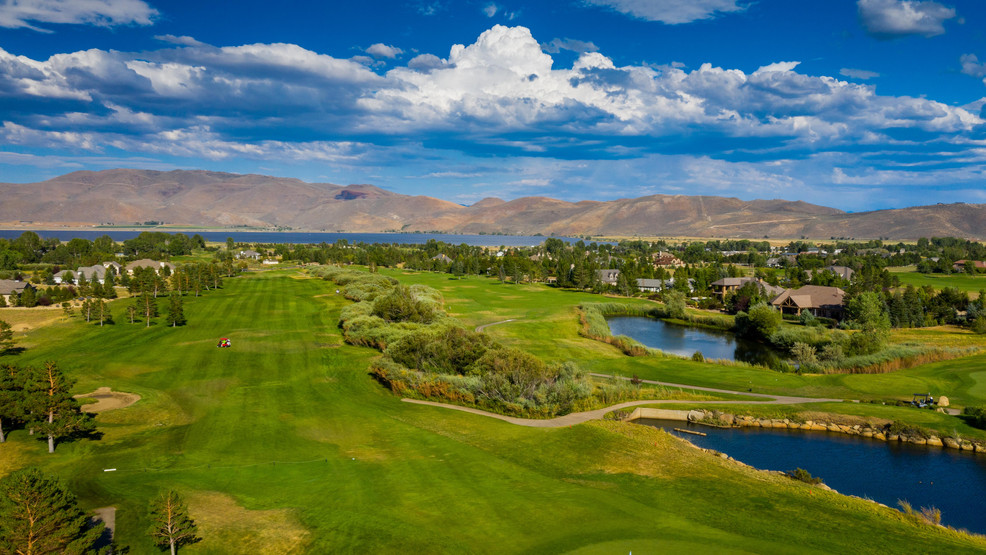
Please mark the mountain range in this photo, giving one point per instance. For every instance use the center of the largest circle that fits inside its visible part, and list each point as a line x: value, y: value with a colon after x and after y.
x: 205, y: 198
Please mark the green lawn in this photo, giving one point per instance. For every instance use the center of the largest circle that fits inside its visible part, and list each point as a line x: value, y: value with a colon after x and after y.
x: 961, y: 281
x: 283, y: 443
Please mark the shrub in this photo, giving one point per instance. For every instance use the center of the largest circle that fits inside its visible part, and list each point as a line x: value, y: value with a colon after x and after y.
x: 674, y: 303
x: 803, y: 475
x: 976, y: 416
x: 760, y: 323
x: 401, y: 305
x: 698, y: 356
x: 804, y: 354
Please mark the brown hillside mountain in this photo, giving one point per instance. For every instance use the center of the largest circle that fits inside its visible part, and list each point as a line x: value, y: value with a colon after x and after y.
x: 204, y: 198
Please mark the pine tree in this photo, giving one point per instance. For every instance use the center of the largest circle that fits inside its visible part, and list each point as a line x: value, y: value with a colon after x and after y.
x: 176, y: 314
x: 103, y: 313
x: 148, y: 306
x: 11, y: 396
x: 86, y: 309
x: 53, y: 411
x: 38, y: 515
x: 6, y: 337
x: 172, y: 526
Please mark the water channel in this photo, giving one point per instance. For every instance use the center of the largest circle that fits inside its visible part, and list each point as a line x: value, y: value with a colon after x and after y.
x: 951, y: 480
x: 686, y: 340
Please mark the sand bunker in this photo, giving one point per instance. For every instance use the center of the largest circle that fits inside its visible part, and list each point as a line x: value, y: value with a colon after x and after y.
x: 106, y: 399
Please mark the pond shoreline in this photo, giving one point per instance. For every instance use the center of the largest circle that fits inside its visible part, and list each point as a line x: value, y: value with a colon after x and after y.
x: 726, y: 420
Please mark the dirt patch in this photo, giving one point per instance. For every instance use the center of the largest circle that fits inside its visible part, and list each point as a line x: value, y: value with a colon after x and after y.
x: 107, y: 399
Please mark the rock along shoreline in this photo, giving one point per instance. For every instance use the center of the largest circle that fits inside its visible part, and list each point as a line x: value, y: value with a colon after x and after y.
x: 726, y: 420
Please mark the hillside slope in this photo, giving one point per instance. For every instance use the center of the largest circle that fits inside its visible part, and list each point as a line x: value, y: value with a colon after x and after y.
x: 204, y: 198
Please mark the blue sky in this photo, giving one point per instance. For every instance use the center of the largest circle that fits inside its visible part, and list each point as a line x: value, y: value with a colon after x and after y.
x: 856, y: 104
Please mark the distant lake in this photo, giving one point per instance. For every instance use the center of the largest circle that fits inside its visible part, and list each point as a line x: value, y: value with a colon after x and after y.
x: 686, y: 340
x: 299, y: 238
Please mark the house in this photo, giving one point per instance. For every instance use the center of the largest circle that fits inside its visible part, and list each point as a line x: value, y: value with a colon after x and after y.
x: 251, y: 254
x: 727, y: 285
x: 115, y: 265
x: 608, y: 276
x: 819, y: 300
x: 442, y: 257
x: 10, y: 287
x: 269, y: 262
x: 98, y: 272
x: 667, y: 260
x: 148, y: 263
x: 650, y: 285
x: 843, y: 272
x: 959, y: 265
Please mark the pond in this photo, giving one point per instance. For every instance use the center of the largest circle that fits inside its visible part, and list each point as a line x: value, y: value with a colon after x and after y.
x: 686, y: 340
x: 951, y: 480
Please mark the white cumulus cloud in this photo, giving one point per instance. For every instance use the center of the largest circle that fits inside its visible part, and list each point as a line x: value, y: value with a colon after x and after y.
x: 672, y: 11
x: 381, y: 50
x: 105, y: 13
x: 858, y: 73
x: 888, y: 19
x: 557, y: 45
x: 972, y: 66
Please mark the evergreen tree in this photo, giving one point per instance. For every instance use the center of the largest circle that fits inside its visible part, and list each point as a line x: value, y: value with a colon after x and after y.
x: 29, y: 297
x: 11, y: 396
x: 38, y: 515
x: 87, y: 309
x: 176, y: 314
x: 148, y: 306
x: 6, y: 337
x: 172, y: 527
x: 103, y: 313
x: 52, y: 409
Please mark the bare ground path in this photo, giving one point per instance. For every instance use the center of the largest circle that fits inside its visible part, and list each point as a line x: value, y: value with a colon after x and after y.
x: 581, y: 417
x: 484, y: 326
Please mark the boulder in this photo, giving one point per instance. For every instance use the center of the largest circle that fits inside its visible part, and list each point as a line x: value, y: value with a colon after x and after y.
x: 695, y: 415
x: 951, y: 443
x: 943, y: 401
x: 933, y: 441
x: 726, y: 419
x: 966, y: 446
x: 880, y: 436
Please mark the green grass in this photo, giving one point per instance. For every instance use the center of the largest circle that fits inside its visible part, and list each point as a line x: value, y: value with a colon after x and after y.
x: 960, y: 281
x: 283, y: 443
